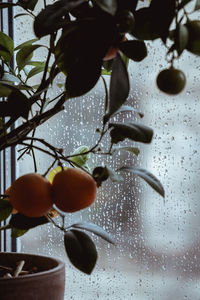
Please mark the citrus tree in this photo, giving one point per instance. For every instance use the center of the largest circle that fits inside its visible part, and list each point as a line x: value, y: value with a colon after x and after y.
x: 87, y: 40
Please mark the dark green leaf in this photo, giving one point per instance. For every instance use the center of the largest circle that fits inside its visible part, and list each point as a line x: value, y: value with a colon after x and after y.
x: 148, y: 177
x: 20, y: 221
x: 96, y: 230
x: 127, y: 5
x: 124, y: 108
x: 19, y: 100
x: 27, y: 4
x: 109, y: 6
x: 162, y: 13
x: 134, y: 150
x: 135, y: 50
x: 36, y: 63
x: 25, y: 54
x: 81, y: 250
x: 144, y: 28
x: 181, y: 38
x: 132, y: 131
x: 35, y: 71
x: 82, y: 62
x: 50, y: 19
x: 119, y: 87
x: 4, y: 108
x: 5, y: 209
x: 6, y: 47
x: 15, y: 232
x: 27, y: 43
x: 4, y: 90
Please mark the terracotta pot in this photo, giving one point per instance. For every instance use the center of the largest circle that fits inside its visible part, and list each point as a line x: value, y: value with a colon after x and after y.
x: 47, y: 284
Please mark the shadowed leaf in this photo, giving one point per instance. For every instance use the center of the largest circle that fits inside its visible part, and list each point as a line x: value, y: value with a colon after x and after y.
x: 119, y: 86
x: 50, y: 19
x: 134, y: 150
x: 147, y: 176
x: 25, y: 54
x: 81, y: 250
x: 96, y: 230
x: 6, y: 47
x: 135, y: 50
x: 20, y: 221
x: 109, y: 6
x: 132, y: 131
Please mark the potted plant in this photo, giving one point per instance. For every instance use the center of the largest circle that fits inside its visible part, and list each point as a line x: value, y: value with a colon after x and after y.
x: 87, y: 40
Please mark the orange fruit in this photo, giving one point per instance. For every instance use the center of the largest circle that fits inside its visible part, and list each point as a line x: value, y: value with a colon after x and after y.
x: 73, y: 189
x: 7, y: 192
x: 30, y: 194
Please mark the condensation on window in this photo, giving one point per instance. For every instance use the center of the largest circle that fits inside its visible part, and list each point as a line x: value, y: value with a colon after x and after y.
x: 157, y: 252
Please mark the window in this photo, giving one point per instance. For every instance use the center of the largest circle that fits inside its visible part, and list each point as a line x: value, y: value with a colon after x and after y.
x: 157, y: 243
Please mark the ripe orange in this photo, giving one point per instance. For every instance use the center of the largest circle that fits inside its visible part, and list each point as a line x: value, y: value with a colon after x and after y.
x: 73, y: 190
x: 30, y: 194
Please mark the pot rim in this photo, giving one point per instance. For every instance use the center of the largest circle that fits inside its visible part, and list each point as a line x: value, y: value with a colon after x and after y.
x: 53, y: 270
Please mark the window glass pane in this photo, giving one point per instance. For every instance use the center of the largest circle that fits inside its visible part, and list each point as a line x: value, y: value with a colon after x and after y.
x: 156, y: 255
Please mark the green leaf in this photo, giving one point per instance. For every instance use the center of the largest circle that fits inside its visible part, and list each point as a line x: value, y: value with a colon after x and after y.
x: 96, y: 230
x: 104, y: 72
x: 133, y: 49
x: 109, y: 6
x: 35, y: 71
x: 27, y: 43
x: 36, y: 63
x: 19, y: 100
x: 51, y: 19
x: 4, y: 90
x: 181, y: 38
x: 132, y: 131
x: 5, y: 209
x: 125, y: 108
x: 82, y: 62
x: 82, y: 158
x: 20, y: 221
x: 6, y: 47
x: 148, y: 177
x: 25, y: 54
x: 163, y: 14
x: 119, y: 87
x: 81, y: 250
x: 5, y: 109
x: 11, y: 78
x: 133, y: 150
x: 27, y: 4
x: 15, y: 232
